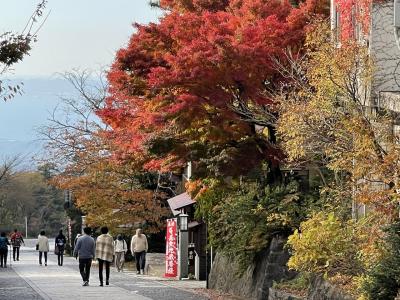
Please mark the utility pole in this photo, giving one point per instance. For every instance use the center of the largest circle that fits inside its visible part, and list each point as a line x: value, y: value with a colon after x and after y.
x: 396, y: 14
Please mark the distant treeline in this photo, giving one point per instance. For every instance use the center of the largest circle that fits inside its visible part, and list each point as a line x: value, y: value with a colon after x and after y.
x: 28, y: 195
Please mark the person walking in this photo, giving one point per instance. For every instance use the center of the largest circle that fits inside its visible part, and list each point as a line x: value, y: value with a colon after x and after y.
x: 85, y: 249
x: 43, y: 247
x: 16, y: 241
x: 76, y: 238
x: 120, y: 249
x: 104, y: 253
x: 59, y: 247
x: 139, y: 247
x: 3, y: 250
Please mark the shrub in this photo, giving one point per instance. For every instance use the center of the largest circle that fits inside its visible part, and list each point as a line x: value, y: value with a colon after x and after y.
x: 383, y: 281
x: 325, y: 245
x: 243, y: 220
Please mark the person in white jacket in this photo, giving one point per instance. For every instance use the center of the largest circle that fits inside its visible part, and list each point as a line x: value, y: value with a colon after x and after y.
x: 43, y: 247
x: 139, y: 247
x: 120, y: 249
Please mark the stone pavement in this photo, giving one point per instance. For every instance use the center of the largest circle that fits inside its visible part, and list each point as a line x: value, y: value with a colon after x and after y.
x: 27, y: 280
x: 13, y: 287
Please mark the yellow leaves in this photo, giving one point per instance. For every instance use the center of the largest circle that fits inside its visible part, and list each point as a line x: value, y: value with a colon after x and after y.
x: 111, y: 193
x: 371, y: 249
x: 323, y: 121
x: 344, y: 251
x: 324, y: 245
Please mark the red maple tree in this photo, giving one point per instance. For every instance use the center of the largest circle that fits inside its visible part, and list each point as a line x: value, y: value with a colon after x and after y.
x: 173, y: 87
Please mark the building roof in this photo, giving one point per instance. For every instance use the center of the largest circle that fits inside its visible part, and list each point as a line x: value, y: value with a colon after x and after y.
x: 193, y: 224
x: 179, y: 202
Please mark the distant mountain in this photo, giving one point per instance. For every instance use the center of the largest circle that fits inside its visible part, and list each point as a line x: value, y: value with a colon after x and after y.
x: 28, y: 151
x: 20, y: 117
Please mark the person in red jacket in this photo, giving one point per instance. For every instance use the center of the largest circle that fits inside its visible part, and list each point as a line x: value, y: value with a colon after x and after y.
x: 16, y: 241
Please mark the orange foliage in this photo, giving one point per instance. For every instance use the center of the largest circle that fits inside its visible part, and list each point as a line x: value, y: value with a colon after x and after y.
x: 172, y: 87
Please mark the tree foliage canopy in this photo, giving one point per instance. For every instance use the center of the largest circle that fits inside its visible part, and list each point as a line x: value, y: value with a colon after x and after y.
x: 174, y: 88
x: 15, y: 46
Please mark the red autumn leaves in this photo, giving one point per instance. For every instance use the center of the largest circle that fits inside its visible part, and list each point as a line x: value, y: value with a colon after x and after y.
x: 172, y: 87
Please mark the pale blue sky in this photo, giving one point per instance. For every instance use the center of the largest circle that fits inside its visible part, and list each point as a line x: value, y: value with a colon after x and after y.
x: 77, y: 33
x: 81, y: 34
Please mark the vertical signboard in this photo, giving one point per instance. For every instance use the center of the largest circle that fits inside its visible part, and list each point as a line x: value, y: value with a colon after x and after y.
x: 69, y: 231
x: 171, y: 255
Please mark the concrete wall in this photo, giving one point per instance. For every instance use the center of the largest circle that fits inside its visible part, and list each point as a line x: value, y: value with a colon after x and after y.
x: 383, y: 49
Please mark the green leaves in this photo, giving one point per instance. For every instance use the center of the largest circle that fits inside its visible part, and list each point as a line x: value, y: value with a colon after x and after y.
x: 243, y: 219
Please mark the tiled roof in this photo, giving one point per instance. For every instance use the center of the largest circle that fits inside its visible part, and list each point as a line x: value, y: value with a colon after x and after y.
x: 179, y: 202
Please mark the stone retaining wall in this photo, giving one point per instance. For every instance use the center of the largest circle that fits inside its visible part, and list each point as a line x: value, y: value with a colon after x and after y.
x: 279, y: 295
x: 323, y: 290
x: 155, y: 264
x: 258, y: 278
x: 256, y: 282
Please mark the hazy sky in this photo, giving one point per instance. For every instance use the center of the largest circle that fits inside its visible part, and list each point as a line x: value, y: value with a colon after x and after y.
x: 77, y: 33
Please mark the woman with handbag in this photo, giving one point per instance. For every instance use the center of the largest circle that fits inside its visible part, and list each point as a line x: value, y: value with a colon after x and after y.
x: 59, y: 247
x: 120, y: 249
x: 43, y: 247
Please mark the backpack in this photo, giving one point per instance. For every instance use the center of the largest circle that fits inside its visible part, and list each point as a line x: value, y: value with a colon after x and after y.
x: 60, y: 242
x: 3, y: 243
x: 16, y: 240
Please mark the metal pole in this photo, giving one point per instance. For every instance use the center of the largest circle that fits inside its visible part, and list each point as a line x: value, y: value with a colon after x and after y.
x: 211, y: 256
x: 206, y: 255
x: 10, y: 256
x: 26, y: 227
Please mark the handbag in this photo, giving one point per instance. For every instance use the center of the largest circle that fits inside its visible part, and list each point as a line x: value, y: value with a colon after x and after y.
x: 37, y: 246
x: 56, y: 250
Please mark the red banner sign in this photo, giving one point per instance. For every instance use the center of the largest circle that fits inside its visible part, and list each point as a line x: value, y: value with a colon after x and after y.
x: 171, y: 255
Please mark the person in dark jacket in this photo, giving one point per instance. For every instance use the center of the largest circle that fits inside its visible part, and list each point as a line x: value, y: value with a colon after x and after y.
x: 3, y: 249
x: 85, y: 249
x: 60, y: 242
x: 16, y: 241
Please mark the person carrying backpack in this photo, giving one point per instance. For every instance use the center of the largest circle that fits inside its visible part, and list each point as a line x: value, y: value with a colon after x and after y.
x: 3, y: 250
x: 59, y: 248
x: 16, y: 241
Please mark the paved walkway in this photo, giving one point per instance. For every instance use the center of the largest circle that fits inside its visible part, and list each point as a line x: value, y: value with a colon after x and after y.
x: 27, y: 280
x: 13, y: 287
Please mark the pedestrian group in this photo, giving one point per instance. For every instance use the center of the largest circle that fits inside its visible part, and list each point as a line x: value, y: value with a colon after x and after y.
x: 104, y: 249
x: 16, y: 241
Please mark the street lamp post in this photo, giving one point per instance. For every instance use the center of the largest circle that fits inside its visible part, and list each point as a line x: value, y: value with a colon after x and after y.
x: 183, y: 246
